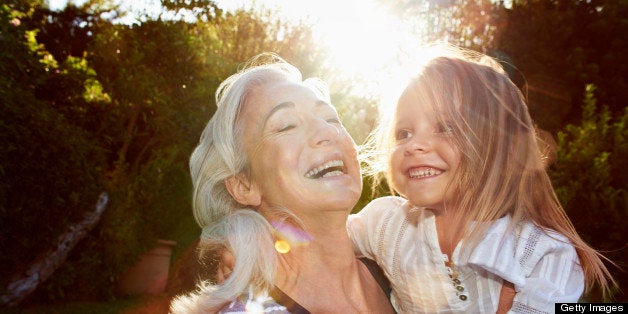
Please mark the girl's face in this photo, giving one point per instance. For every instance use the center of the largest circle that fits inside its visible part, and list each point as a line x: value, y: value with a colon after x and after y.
x: 424, y: 161
x: 300, y: 155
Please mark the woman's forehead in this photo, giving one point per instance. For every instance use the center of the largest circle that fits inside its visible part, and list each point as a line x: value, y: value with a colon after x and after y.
x: 274, y: 96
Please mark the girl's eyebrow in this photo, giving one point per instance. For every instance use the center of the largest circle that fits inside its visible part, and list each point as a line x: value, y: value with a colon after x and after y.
x: 283, y: 105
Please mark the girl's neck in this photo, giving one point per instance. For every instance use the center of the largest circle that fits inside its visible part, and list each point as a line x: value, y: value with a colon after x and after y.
x: 447, y: 230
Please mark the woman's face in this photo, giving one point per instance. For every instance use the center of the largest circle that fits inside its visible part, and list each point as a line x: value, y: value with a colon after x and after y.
x: 300, y: 155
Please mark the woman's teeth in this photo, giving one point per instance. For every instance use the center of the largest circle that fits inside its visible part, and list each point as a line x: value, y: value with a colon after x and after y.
x: 328, y: 169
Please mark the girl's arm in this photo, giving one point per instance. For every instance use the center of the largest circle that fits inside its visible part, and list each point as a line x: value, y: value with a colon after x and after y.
x: 506, y: 297
x: 542, y: 265
x: 364, y: 227
x: 358, y: 226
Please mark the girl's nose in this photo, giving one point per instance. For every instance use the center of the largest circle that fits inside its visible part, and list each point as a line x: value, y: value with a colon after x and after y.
x: 418, y: 144
x: 323, y: 132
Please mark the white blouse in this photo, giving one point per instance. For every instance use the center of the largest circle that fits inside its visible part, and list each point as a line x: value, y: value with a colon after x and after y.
x: 543, y: 266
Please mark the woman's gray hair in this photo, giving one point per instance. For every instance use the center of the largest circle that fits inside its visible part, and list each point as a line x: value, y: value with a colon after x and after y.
x: 227, y: 224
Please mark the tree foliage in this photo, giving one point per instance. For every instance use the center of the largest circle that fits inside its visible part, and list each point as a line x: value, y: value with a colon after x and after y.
x: 51, y: 168
x: 465, y: 23
x: 92, y: 105
x: 589, y: 177
x: 553, y: 49
x: 560, y: 47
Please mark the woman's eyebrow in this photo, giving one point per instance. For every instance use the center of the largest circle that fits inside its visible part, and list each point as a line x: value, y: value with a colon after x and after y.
x: 286, y: 105
x: 283, y: 105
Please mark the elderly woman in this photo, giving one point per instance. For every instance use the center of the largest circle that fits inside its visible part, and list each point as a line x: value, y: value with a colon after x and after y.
x: 275, y: 176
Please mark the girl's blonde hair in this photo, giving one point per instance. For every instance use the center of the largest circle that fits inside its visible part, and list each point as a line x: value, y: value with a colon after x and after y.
x: 227, y: 224
x: 502, y: 170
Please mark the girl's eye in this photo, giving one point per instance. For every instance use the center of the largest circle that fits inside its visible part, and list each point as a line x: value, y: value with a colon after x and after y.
x: 403, y: 134
x: 445, y: 128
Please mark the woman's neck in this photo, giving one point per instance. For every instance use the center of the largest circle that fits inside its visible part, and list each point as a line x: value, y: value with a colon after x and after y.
x: 329, y: 248
x: 319, y: 263
x: 325, y: 276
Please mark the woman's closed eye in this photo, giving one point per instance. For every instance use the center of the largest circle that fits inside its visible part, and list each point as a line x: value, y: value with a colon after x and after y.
x: 286, y: 128
x: 334, y: 120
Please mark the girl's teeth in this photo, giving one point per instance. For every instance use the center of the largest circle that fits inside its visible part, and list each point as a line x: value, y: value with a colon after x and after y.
x: 424, y: 173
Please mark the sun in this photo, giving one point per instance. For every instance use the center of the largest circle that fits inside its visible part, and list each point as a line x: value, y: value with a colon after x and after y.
x: 361, y: 37
x: 365, y: 42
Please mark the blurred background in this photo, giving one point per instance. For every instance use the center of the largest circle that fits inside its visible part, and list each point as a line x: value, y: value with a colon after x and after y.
x: 111, y: 96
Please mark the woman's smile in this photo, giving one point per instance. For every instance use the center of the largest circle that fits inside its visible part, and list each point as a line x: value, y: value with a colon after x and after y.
x: 300, y: 154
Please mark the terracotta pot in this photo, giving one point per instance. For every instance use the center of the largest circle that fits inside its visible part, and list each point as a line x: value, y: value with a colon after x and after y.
x: 150, y: 274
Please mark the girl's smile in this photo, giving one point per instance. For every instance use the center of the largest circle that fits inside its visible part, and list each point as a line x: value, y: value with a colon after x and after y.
x: 423, y: 160
x: 424, y: 172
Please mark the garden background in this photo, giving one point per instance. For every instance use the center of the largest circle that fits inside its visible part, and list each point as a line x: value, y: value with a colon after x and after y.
x: 91, y: 104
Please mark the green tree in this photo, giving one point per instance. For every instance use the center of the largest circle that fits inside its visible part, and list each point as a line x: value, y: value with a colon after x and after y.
x: 590, y: 181
x: 117, y: 107
x: 560, y: 46
x: 465, y: 23
x: 52, y: 170
x: 150, y: 73
x: 160, y: 77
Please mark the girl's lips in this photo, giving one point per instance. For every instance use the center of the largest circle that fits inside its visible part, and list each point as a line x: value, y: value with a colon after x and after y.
x: 424, y: 172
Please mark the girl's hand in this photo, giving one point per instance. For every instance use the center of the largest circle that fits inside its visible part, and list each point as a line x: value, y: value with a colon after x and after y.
x: 506, y: 297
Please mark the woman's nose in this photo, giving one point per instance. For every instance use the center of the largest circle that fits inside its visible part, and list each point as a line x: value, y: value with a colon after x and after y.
x: 323, y: 132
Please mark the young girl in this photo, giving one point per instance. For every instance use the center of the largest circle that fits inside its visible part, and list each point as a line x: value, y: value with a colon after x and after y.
x: 479, y: 212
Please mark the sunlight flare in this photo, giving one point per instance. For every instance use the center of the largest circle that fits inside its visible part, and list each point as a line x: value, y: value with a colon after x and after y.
x: 365, y: 41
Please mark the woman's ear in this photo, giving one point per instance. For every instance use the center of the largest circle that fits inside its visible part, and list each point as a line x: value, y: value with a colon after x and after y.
x: 243, y: 190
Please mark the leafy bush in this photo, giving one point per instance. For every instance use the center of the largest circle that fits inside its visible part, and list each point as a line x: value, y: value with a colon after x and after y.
x: 121, y: 111
x: 51, y: 171
x: 152, y: 204
x: 590, y: 178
